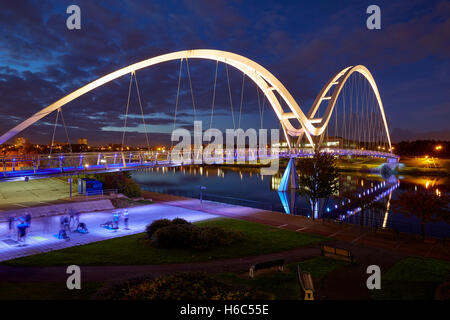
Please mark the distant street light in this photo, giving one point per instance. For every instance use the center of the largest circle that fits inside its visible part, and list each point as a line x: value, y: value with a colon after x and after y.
x: 201, y: 194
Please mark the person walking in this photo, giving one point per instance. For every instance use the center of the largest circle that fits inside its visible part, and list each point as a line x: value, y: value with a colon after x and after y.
x: 72, y: 217
x: 28, y: 219
x: 125, y: 218
x: 77, y: 218
x: 22, y: 231
x: 11, y: 223
x: 116, y: 218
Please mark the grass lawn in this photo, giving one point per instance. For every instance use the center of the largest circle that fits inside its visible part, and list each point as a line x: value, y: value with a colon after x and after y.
x: 272, y: 284
x: 46, y: 291
x: 284, y: 285
x: 413, y: 278
x: 134, y: 249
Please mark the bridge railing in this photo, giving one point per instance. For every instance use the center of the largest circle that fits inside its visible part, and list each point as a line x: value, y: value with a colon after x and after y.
x: 75, y: 163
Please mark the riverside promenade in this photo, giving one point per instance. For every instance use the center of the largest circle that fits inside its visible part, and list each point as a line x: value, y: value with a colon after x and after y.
x: 43, y: 234
x: 351, y: 236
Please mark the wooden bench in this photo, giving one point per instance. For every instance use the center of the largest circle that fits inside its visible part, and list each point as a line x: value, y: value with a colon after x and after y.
x: 306, y: 284
x: 266, y: 265
x: 336, y: 253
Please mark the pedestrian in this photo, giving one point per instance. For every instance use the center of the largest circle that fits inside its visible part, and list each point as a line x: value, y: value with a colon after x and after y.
x: 125, y: 219
x: 22, y: 231
x: 116, y: 218
x: 77, y: 218
x: 66, y: 223
x: 11, y: 223
x: 72, y: 215
x: 61, y: 221
x: 28, y: 219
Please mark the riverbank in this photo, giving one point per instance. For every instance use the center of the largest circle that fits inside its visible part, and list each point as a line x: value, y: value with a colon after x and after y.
x: 351, y: 235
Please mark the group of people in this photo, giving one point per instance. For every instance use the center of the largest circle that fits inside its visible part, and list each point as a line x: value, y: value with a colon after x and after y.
x: 69, y: 221
x: 114, y: 224
x: 21, y: 224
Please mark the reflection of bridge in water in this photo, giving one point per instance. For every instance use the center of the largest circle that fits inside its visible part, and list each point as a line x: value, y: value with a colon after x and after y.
x: 342, y: 209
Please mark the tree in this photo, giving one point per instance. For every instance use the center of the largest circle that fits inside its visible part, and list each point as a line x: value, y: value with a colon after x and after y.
x: 121, y: 181
x: 318, y: 178
x: 425, y: 205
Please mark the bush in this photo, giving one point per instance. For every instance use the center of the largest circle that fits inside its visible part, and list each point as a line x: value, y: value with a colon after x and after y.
x: 176, y: 236
x: 189, y: 236
x: 155, y: 225
x: 180, y: 221
x: 185, y: 286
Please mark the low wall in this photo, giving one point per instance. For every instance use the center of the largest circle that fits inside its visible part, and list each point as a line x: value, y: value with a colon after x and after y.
x: 58, y: 209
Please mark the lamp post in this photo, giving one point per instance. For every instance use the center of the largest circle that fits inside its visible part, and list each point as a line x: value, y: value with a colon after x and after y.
x: 201, y: 194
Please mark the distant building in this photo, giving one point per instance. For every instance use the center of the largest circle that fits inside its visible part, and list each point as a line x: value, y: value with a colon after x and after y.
x: 83, y: 141
x: 20, y: 141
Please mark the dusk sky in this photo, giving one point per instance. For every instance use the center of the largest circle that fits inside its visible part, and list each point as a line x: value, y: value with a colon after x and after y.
x: 303, y: 43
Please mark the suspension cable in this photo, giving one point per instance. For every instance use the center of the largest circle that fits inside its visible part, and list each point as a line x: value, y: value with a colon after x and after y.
x: 126, y: 112
x: 214, y: 95
x: 65, y: 129
x: 54, y: 130
x: 259, y: 105
x: 229, y: 93
x: 178, y: 94
x: 142, y: 111
x: 192, y: 91
x: 242, y: 98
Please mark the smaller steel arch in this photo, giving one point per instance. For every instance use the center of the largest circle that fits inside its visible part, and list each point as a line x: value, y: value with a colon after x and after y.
x: 338, y: 82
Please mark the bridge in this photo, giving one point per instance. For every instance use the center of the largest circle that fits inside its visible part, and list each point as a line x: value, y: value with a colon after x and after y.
x: 347, y: 118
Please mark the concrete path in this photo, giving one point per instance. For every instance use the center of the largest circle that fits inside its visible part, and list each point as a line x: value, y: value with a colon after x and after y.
x: 106, y: 273
x: 352, y: 234
x: 42, y: 236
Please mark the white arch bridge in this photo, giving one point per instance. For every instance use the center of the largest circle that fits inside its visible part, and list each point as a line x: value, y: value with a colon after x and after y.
x: 359, y: 125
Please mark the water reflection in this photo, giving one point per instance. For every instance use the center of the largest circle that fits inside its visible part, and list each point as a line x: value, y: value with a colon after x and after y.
x: 245, y: 186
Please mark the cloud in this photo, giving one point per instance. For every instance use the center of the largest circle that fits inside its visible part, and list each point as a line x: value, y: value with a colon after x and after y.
x: 301, y: 43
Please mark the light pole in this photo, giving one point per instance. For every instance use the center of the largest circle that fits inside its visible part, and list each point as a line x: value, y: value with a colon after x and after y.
x: 201, y: 194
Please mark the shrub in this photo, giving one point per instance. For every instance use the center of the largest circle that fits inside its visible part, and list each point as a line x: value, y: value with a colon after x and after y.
x: 155, y: 225
x: 189, y: 236
x: 180, y: 221
x: 176, y: 236
x: 185, y: 286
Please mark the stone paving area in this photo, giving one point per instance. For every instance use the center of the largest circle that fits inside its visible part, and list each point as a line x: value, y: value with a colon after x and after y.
x: 42, y: 236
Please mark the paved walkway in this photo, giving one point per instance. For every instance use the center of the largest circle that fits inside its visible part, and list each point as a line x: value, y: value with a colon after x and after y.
x: 352, y: 234
x: 42, y: 236
x: 106, y: 273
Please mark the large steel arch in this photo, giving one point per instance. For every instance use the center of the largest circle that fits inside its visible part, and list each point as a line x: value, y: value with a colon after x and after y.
x: 265, y: 80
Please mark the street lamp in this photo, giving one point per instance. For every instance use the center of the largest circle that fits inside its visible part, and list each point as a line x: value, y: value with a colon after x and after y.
x: 201, y: 194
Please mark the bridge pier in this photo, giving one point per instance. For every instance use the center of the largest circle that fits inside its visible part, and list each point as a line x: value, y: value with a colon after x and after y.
x: 290, y: 179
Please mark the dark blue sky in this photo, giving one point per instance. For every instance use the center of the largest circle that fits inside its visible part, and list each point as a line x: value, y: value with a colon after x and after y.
x: 303, y: 43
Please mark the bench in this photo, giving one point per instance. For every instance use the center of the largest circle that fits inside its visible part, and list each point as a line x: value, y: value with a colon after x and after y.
x: 337, y: 253
x: 266, y: 265
x: 306, y: 284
